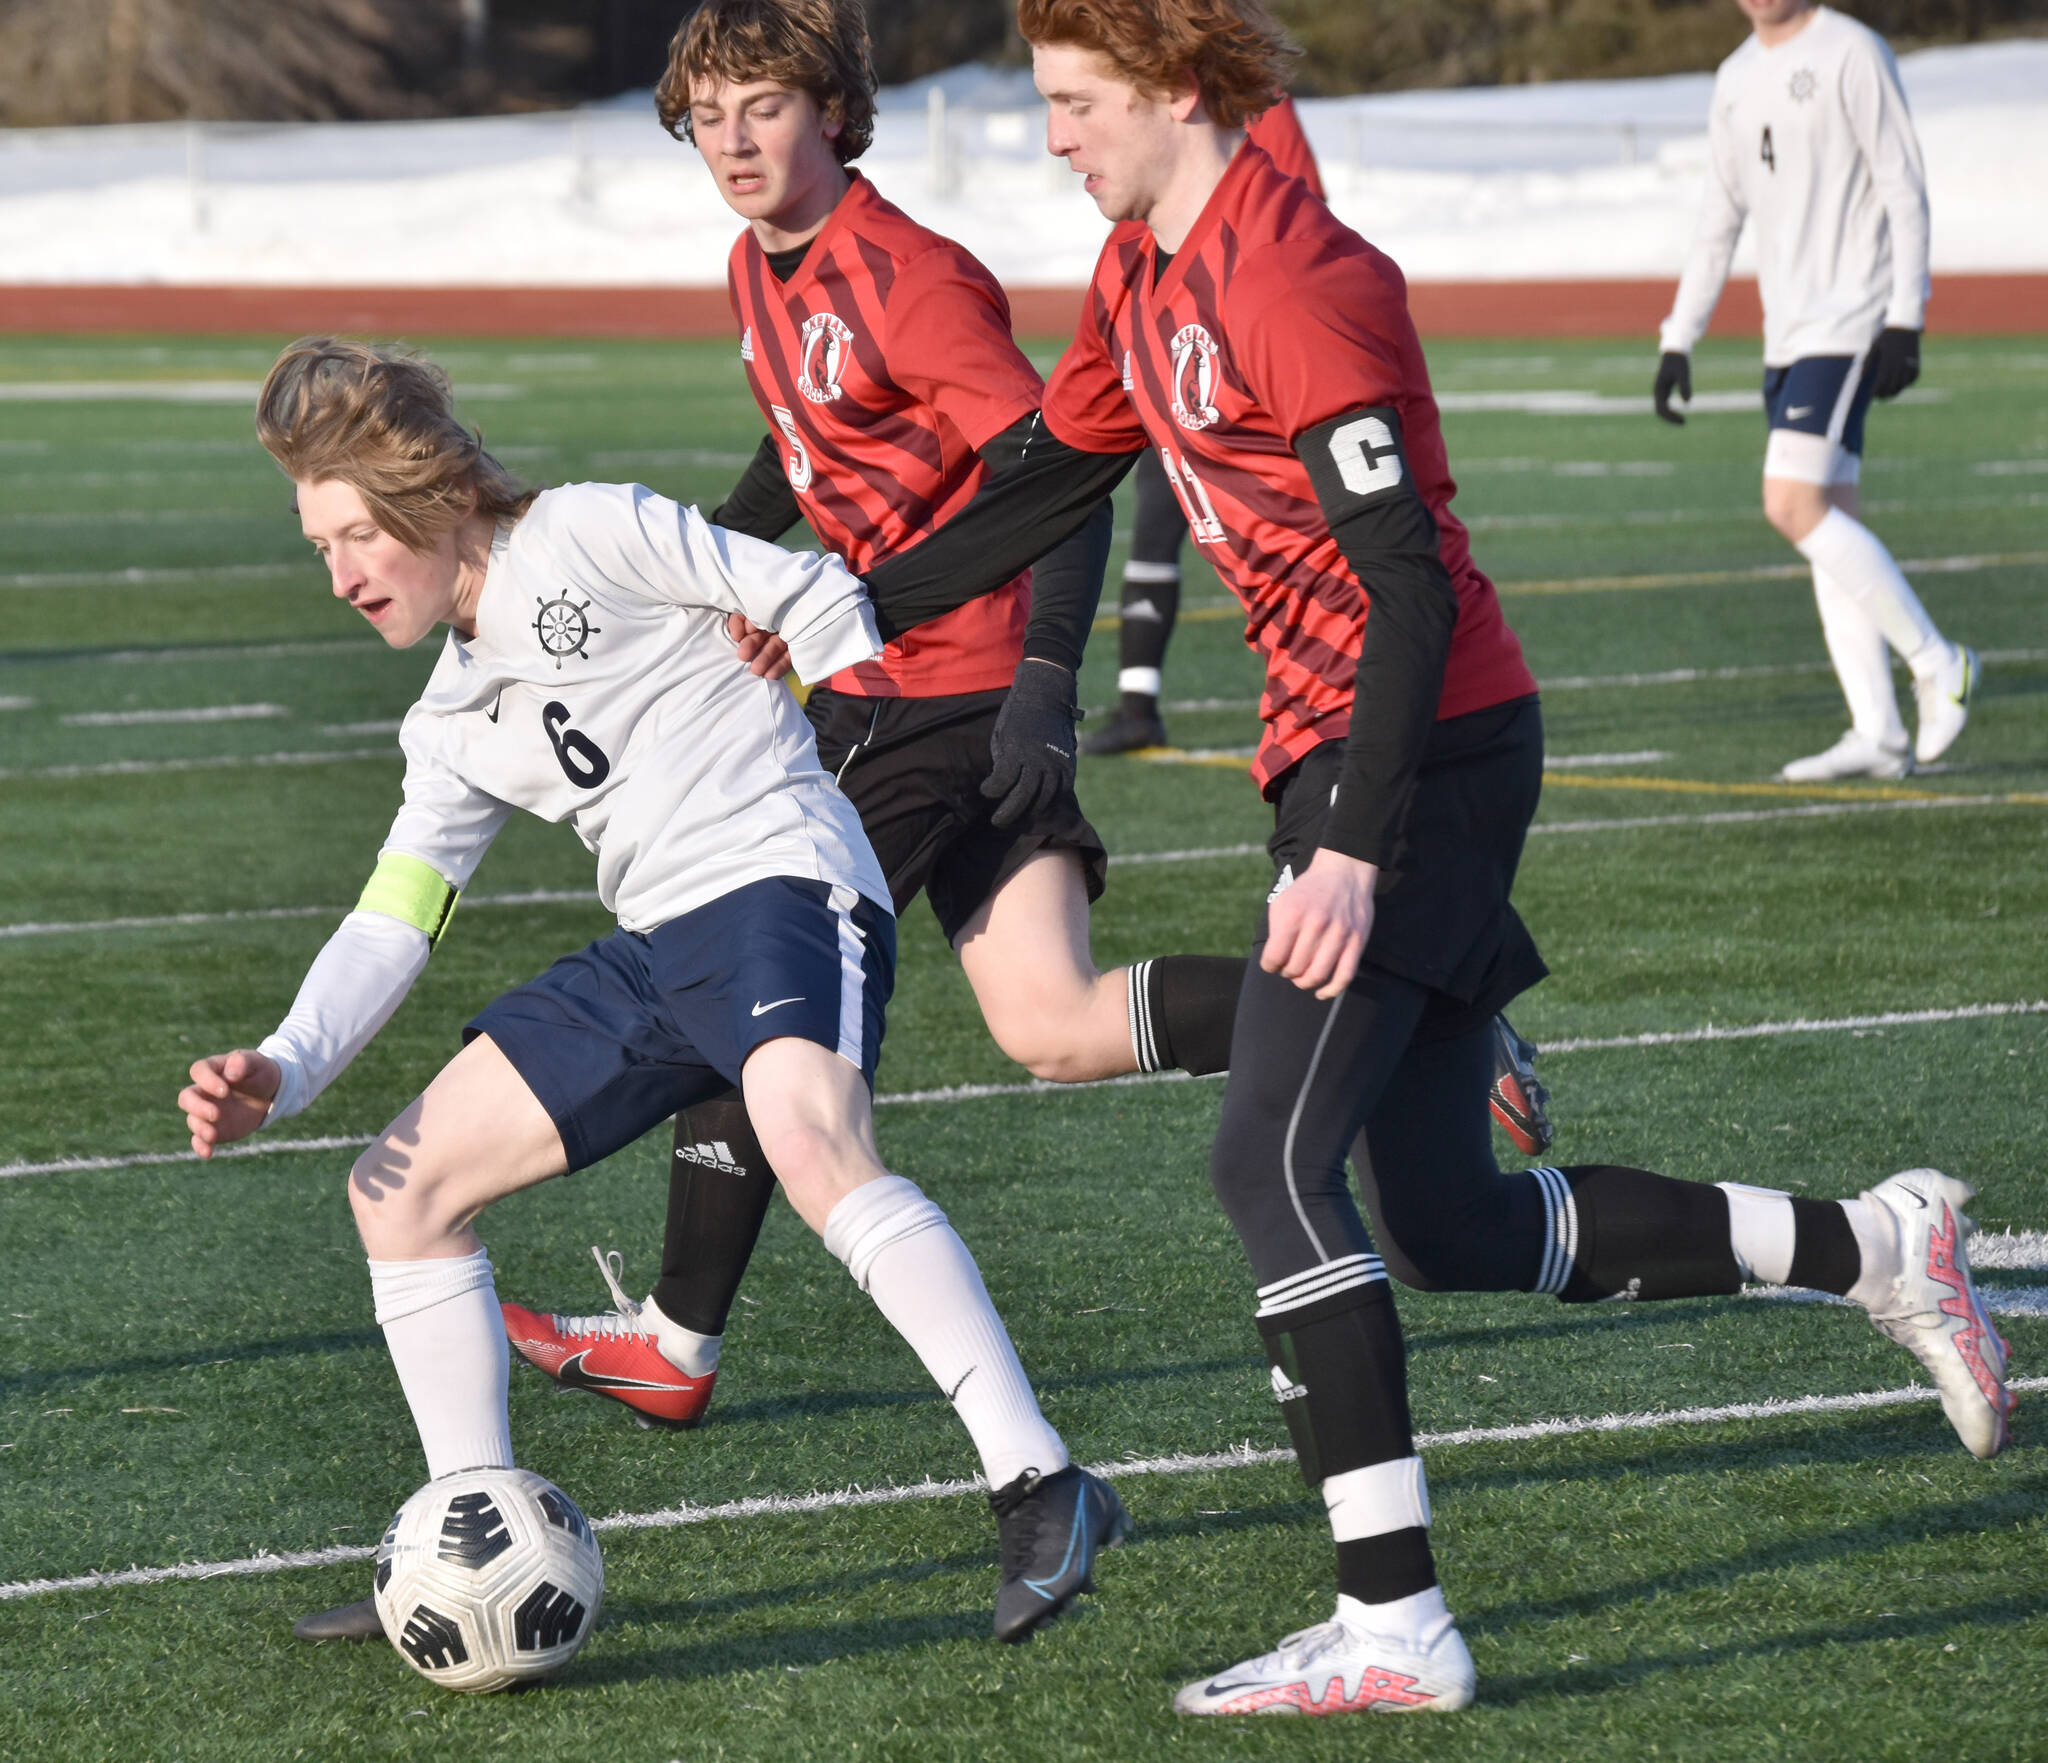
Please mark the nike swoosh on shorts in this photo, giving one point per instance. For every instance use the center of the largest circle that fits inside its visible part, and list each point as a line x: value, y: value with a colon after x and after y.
x: 761, y: 1009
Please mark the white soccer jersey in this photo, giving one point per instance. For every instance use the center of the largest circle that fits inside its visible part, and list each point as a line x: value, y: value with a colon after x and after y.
x: 601, y: 689
x: 1812, y: 140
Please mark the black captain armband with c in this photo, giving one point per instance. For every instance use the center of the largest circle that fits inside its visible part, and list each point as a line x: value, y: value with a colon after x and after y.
x: 1368, y: 495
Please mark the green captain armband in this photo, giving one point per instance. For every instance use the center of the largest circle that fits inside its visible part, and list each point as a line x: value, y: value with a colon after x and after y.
x: 412, y: 892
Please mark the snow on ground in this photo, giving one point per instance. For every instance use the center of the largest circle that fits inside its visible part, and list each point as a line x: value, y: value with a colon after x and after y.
x: 1577, y: 179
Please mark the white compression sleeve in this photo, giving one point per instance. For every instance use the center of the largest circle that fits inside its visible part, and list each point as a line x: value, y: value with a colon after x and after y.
x: 447, y: 1340
x: 903, y: 1254
x: 348, y: 994
x: 1854, y: 557
x: 1863, y: 663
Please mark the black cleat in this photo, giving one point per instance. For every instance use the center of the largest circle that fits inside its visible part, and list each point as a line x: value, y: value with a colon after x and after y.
x: 346, y: 1622
x: 1126, y: 731
x: 1053, y: 1526
x: 1518, y: 1099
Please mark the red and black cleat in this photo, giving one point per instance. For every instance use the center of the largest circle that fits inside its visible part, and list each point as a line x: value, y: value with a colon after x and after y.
x: 614, y: 1354
x: 1518, y: 1099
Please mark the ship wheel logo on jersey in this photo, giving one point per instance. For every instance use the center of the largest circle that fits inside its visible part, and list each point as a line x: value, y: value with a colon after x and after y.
x: 1194, y: 378
x: 821, y: 354
x: 564, y: 627
x: 1803, y: 85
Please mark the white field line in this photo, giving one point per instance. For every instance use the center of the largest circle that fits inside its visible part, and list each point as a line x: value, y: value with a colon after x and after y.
x: 1580, y: 761
x: 220, y: 762
x: 1039, y: 1087
x: 180, y: 392
x: 153, y: 578
x: 17, y: 703
x: 1674, y: 676
x: 1179, y: 1463
x: 2019, y: 1251
x: 147, y: 718
x: 1563, y: 402
x: 1999, y: 1300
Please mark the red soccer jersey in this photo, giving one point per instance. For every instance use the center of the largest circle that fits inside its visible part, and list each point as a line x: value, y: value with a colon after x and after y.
x: 1279, y: 131
x: 884, y: 363
x: 1274, y: 317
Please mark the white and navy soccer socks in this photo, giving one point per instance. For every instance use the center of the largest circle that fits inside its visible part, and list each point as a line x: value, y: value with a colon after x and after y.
x: 903, y: 1253
x: 447, y: 1339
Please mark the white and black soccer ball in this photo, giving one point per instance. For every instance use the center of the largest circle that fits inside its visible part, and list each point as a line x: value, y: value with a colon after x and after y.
x: 488, y: 1578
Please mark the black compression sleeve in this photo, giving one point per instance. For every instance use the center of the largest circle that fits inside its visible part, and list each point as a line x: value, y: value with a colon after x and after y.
x: 1066, y: 588
x: 1038, y: 493
x: 761, y: 504
x: 1388, y: 536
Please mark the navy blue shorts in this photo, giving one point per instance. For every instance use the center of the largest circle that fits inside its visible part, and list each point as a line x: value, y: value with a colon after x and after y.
x: 616, y: 1037
x: 1826, y: 395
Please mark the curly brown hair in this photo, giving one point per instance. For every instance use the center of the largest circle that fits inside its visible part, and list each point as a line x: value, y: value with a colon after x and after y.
x: 1233, y: 50
x: 819, y: 47
x: 382, y: 420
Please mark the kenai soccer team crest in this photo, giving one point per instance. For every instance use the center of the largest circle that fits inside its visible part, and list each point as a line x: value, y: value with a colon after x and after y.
x: 821, y: 355
x: 1194, y: 378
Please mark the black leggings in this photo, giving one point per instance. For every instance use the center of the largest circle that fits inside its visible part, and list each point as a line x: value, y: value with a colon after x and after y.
x: 1348, y: 1077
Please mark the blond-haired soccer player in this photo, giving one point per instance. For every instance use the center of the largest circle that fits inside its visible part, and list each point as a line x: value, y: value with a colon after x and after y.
x: 1266, y: 352
x: 1809, y: 136
x: 587, y: 676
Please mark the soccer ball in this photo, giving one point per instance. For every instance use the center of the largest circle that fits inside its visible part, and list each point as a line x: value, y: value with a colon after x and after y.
x: 487, y: 1578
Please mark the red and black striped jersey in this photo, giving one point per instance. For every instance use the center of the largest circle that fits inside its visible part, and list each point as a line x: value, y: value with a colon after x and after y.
x: 1274, y: 317
x: 883, y: 364
x: 1279, y: 131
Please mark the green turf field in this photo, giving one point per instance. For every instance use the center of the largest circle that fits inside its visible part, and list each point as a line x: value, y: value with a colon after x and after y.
x: 189, y: 1372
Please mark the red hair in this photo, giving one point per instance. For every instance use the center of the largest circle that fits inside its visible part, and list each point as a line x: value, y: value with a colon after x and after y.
x: 1235, y: 53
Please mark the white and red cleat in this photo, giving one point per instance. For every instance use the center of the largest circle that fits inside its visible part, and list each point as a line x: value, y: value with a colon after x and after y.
x: 1338, y: 1667
x: 1932, y: 1309
x: 614, y: 1354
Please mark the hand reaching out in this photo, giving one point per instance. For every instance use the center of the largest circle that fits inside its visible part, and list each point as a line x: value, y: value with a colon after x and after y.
x: 228, y: 1097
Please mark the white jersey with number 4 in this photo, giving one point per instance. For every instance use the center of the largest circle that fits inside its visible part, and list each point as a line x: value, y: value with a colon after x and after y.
x: 1812, y: 142
x: 601, y: 689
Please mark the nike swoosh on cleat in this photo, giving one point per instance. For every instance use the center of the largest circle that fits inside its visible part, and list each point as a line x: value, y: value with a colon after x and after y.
x: 572, y: 1372
x: 761, y: 1009
x: 1080, y: 1532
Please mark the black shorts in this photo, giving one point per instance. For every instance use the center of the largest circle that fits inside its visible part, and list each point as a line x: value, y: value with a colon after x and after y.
x: 913, y: 769
x: 1441, y: 914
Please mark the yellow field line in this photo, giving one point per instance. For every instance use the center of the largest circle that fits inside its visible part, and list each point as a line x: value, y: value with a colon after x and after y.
x: 1698, y: 578
x: 1692, y: 786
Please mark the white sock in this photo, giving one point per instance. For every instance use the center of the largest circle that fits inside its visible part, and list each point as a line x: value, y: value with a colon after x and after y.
x: 1854, y: 557
x: 1877, y: 1240
x: 447, y: 1339
x: 1147, y: 680
x: 1760, y: 1232
x: 903, y: 1254
x: 1417, y: 1619
x: 691, y: 1353
x: 1863, y: 663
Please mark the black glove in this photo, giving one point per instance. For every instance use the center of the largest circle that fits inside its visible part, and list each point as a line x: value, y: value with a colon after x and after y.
x: 1894, y: 362
x: 1031, y: 748
x: 1674, y: 372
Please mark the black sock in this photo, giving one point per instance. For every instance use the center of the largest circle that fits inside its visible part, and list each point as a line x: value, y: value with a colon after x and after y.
x: 1139, y: 706
x: 1638, y: 1235
x: 1825, y: 1257
x: 1377, y: 1570
x: 719, y: 1186
x: 1182, y: 1008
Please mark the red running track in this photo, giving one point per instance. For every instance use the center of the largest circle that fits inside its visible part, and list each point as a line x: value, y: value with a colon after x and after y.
x: 1964, y: 305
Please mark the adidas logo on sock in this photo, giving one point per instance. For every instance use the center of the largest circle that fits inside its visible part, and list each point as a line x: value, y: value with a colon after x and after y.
x: 716, y: 1155
x: 1285, y: 1389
